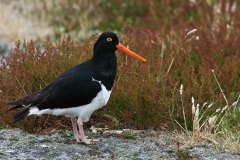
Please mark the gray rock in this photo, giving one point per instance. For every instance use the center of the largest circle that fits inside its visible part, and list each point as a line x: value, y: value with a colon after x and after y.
x: 5, y: 47
x: 17, y: 144
x: 212, y: 154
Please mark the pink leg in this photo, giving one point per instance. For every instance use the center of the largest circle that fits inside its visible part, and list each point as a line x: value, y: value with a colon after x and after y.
x: 75, y: 131
x: 82, y: 136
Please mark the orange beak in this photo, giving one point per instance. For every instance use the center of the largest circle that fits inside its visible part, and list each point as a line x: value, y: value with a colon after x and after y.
x: 131, y: 53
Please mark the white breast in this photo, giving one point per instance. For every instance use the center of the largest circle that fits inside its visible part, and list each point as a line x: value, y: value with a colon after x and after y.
x: 84, y: 111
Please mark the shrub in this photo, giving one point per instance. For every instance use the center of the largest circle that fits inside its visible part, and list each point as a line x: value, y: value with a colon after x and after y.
x: 144, y: 95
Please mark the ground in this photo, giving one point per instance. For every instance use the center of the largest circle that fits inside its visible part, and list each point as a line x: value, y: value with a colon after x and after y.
x: 17, y: 144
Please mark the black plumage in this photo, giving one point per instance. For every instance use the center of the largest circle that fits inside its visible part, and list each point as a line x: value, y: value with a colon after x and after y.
x: 75, y: 86
x: 80, y: 90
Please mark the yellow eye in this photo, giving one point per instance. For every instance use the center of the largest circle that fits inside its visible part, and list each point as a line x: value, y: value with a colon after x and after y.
x: 109, y: 39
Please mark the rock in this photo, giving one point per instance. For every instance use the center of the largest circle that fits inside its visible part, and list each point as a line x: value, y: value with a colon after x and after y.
x: 5, y: 47
x: 17, y: 144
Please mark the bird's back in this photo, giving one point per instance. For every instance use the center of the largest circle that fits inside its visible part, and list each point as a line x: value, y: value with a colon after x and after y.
x: 78, y: 86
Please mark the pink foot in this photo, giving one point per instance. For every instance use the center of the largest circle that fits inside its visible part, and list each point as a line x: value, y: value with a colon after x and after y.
x: 86, y: 141
x: 82, y: 135
x: 75, y: 131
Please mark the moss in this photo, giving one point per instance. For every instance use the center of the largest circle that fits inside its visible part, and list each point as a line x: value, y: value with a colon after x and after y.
x: 2, y: 126
x: 67, y: 133
x: 183, y: 154
x: 130, y: 135
x: 13, y: 138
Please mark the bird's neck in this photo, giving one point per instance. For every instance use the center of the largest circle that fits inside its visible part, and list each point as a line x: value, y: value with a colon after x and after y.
x: 103, y: 59
x: 106, y: 65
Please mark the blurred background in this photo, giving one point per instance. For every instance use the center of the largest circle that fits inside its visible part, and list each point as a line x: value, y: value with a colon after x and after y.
x: 27, y: 19
x: 183, y: 42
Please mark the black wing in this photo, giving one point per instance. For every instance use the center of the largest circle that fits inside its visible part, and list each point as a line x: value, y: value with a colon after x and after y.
x: 72, y: 88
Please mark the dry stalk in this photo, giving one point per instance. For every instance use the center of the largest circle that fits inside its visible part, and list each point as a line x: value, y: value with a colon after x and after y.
x: 183, y: 110
x: 220, y: 87
x: 196, y: 128
x: 234, y: 105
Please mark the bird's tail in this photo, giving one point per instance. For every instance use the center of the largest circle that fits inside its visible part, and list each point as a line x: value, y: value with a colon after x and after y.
x: 26, y: 102
x: 21, y: 115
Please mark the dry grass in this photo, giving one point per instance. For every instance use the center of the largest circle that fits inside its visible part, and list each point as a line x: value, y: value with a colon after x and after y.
x: 210, y: 128
x: 224, y: 140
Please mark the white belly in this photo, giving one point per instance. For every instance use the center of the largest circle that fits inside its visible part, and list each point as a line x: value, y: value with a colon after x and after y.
x: 84, y: 111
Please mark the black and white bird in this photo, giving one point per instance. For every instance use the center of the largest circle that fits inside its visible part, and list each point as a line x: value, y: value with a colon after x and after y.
x: 79, y: 91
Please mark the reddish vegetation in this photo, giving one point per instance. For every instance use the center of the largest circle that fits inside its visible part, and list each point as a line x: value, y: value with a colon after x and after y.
x: 144, y: 95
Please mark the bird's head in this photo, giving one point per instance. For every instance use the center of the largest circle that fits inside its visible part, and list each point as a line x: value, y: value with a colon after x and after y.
x: 108, y: 43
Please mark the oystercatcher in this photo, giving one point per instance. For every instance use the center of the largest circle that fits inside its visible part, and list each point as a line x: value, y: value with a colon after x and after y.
x: 79, y: 91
